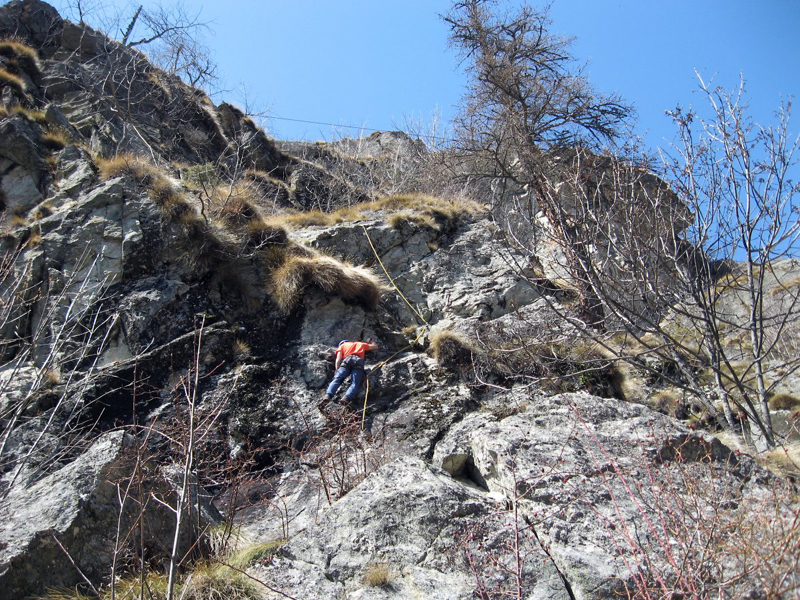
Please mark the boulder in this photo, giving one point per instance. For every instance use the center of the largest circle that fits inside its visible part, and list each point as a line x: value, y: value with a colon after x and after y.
x: 66, y: 521
x: 592, y: 475
x: 416, y: 521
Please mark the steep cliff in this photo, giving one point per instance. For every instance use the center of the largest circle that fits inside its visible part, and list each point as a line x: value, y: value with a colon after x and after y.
x: 168, y: 318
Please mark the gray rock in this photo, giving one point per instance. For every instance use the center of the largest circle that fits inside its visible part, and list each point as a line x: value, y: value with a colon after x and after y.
x: 579, y: 468
x: 412, y: 517
x: 78, y: 505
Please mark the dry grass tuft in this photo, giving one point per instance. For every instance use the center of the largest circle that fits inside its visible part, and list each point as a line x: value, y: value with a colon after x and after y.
x: 21, y: 56
x: 784, y: 401
x: 9, y: 80
x: 238, y: 211
x: 55, y: 139
x: 260, y: 235
x: 783, y: 460
x: 255, y: 554
x: 137, y: 167
x: 400, y: 219
x: 451, y: 349
x: 241, y: 349
x: 350, y: 283
x: 377, y: 575
x: 30, y: 114
x: 425, y: 211
x: 44, y: 210
x: 666, y: 402
x: 217, y: 581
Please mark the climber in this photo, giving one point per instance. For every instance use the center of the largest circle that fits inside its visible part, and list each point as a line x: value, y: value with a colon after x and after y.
x: 349, y: 362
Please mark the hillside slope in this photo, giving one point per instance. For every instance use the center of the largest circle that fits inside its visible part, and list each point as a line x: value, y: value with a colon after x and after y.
x: 169, y: 309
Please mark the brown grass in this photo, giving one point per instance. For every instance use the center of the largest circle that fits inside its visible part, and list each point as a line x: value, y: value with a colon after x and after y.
x: 42, y: 211
x: 400, y: 219
x: 21, y: 56
x: 377, y: 575
x: 784, y: 401
x: 238, y: 211
x: 451, y: 349
x: 350, y: 283
x: 55, y: 139
x: 138, y: 167
x: 32, y: 115
x: 666, y: 402
x: 427, y: 211
x: 260, y: 234
x: 8, y: 79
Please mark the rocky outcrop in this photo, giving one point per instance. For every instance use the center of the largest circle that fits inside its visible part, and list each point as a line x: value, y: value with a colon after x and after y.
x: 136, y: 311
x: 62, y: 526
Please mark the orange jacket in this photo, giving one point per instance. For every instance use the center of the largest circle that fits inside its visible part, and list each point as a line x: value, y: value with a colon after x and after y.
x: 345, y: 349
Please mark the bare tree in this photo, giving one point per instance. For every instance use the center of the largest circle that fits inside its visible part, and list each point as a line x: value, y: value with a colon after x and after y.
x: 526, y: 100
x: 172, y: 39
x: 169, y: 34
x: 633, y: 248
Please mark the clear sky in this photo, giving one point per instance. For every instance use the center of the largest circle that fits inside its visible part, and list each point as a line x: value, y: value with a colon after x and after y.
x: 379, y: 63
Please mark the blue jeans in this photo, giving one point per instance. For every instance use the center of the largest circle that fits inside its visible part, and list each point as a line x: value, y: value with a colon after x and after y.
x: 352, y: 366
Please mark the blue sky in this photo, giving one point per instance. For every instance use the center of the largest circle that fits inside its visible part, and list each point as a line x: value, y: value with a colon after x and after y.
x: 379, y: 63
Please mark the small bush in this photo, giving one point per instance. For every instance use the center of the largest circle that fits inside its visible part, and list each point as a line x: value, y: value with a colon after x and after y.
x: 350, y: 283
x: 784, y: 401
x: 451, y: 349
x: 377, y: 575
x: 9, y: 80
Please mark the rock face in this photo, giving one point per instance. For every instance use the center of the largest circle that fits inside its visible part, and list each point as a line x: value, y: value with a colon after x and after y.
x: 154, y: 322
x: 60, y: 527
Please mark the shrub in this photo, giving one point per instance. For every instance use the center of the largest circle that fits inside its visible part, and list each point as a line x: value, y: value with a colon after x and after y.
x: 784, y: 401
x: 350, y: 283
x: 451, y: 349
x: 377, y: 575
